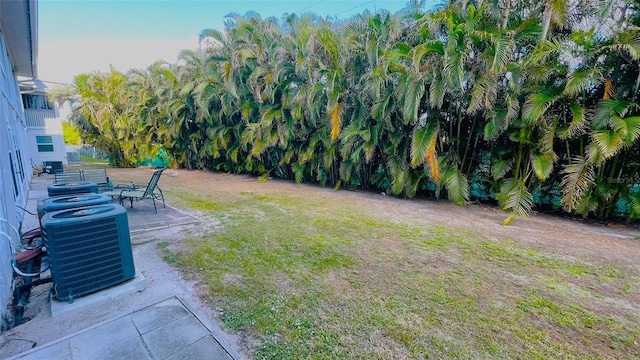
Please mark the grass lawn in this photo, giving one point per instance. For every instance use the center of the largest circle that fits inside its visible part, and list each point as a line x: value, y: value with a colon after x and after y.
x: 87, y: 159
x: 303, y: 275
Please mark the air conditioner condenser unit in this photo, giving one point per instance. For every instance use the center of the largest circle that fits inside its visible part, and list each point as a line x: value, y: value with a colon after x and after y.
x: 64, y: 202
x: 79, y: 187
x: 89, y: 249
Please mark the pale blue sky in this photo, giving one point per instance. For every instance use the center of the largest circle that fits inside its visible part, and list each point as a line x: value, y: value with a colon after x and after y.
x: 89, y: 35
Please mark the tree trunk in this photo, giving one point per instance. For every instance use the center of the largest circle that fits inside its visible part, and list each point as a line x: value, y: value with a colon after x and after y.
x: 507, y: 11
x: 546, y: 24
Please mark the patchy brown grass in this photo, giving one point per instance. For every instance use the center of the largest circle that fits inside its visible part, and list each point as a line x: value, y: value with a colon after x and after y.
x: 301, y: 271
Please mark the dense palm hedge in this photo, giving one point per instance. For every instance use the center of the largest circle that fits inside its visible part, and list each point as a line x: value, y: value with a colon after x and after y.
x: 526, y: 103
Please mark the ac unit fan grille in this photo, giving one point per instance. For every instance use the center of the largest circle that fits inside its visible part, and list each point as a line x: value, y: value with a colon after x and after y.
x: 85, y: 257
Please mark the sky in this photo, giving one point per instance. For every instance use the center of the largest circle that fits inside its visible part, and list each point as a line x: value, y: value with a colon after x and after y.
x: 86, y: 36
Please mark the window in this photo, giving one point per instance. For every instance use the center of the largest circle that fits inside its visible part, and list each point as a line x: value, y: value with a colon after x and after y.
x: 20, y: 165
x: 39, y: 102
x: 16, y: 191
x: 45, y: 143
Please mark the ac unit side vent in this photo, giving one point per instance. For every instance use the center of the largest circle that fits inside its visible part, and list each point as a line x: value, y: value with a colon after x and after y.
x: 69, y: 291
x: 85, y: 267
x: 78, y: 232
x: 96, y: 255
x: 86, y: 240
x: 82, y: 245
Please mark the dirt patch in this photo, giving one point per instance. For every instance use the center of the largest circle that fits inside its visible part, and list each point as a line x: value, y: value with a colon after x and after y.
x: 569, y: 237
x: 597, y: 249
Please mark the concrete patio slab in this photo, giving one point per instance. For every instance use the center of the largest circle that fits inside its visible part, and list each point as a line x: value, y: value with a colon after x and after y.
x: 143, y: 218
x: 91, y: 344
x: 174, y: 336
x: 156, y: 315
x: 140, y: 335
x: 132, y: 350
x: 206, y: 345
x: 150, y: 318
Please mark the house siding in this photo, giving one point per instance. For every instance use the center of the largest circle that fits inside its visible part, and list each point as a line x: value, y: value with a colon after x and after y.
x: 15, y: 171
x: 45, y: 123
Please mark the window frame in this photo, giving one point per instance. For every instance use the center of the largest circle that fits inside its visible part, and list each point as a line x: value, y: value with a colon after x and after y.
x: 43, y: 145
x: 36, y: 102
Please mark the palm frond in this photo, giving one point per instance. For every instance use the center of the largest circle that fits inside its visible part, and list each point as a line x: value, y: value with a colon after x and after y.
x: 499, y: 168
x: 370, y: 145
x: 492, y: 128
x: 582, y: 80
x: 398, y: 170
x: 608, y: 108
x: 413, y: 183
x: 545, y: 49
x: 543, y: 165
x: 628, y: 128
x: 437, y: 90
x: 381, y: 108
x: 432, y: 158
x: 477, y: 94
x: 604, y: 9
x: 378, y: 81
x: 211, y: 33
x: 298, y: 171
x: 413, y: 90
x: 578, y: 178
x: 421, y: 50
x: 248, y: 108
x: 513, y: 108
x: 605, y: 190
x: 502, y: 51
x: 398, y: 52
x: 633, y: 201
x: 336, y: 120
x: 345, y: 171
x: 421, y: 142
x: 456, y: 184
x: 578, y: 121
x: 594, y: 155
x: 453, y: 70
x: 227, y: 70
x: 546, y: 140
x: 329, y: 41
x: 609, y: 89
x: 500, y: 119
x: 627, y: 41
x: 587, y: 204
x: 609, y: 142
x: 536, y: 106
x: 484, y: 92
x: 538, y: 73
x: 515, y: 198
x: 528, y: 29
x: 557, y: 11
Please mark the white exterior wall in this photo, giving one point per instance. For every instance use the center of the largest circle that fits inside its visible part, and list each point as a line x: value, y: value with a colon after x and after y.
x: 15, y: 171
x: 45, y: 123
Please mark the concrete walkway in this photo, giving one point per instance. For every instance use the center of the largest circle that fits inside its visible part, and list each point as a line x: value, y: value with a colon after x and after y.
x: 167, y: 330
x: 157, y: 315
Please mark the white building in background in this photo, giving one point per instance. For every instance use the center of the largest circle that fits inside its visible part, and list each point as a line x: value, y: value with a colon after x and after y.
x: 18, y: 57
x: 44, y: 122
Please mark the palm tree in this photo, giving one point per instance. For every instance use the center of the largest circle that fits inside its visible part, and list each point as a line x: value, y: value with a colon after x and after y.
x: 103, y: 115
x: 521, y: 102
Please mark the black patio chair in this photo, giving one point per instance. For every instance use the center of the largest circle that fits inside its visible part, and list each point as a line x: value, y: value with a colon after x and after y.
x: 140, y: 192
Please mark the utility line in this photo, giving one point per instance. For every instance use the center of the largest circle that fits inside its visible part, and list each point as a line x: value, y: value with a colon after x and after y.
x: 310, y: 6
x: 355, y: 7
